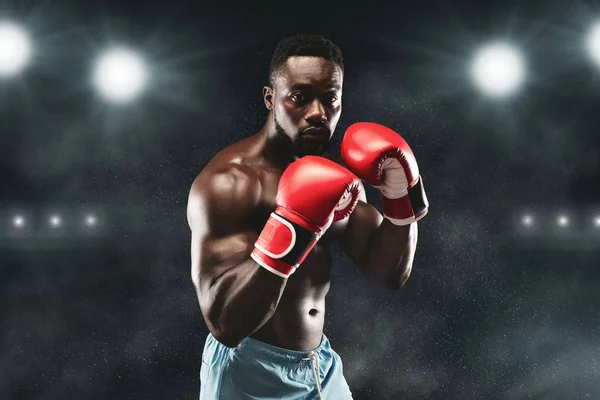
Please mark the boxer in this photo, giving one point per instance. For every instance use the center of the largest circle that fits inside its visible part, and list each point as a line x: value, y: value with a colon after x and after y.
x: 263, y: 214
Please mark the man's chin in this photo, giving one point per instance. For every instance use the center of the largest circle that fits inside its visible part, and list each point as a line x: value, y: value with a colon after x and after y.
x: 311, y: 153
x: 313, y: 150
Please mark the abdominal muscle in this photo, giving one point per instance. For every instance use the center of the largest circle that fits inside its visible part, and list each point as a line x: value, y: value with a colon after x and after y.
x: 297, y: 323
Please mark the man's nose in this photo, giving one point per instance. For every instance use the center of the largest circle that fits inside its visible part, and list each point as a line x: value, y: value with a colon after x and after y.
x: 316, y: 112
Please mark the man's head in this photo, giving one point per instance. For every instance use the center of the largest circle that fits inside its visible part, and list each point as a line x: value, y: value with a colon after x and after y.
x: 305, y: 92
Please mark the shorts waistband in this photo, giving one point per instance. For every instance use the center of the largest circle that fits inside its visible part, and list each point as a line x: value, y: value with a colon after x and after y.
x: 268, y: 352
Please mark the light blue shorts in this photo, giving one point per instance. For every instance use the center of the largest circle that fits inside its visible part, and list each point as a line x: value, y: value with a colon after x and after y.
x: 257, y: 370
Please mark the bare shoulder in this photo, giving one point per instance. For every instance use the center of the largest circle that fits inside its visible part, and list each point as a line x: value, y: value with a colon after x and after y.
x: 224, y: 193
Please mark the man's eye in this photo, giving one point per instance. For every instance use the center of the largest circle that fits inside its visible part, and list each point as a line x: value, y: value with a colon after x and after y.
x: 332, y: 98
x: 298, y: 97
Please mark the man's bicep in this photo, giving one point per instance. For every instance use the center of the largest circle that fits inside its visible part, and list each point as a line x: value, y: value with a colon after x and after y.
x: 212, y: 256
x: 218, y: 209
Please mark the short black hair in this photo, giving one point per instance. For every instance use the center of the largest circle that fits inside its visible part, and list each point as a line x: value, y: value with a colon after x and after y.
x: 304, y: 45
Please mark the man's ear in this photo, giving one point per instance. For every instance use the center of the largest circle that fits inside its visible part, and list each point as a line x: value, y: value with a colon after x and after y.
x: 268, y: 97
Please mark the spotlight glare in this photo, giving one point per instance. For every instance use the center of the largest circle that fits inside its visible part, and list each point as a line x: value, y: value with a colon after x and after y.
x: 527, y: 220
x: 120, y: 75
x: 498, y: 69
x: 90, y: 220
x: 597, y: 221
x: 18, y: 221
x: 55, y: 221
x: 14, y: 49
x: 563, y: 221
x: 593, y: 43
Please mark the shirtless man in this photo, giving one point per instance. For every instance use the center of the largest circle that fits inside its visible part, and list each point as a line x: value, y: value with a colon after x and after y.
x: 263, y: 213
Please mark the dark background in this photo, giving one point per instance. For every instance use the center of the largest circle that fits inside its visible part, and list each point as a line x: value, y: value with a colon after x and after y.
x: 490, y: 311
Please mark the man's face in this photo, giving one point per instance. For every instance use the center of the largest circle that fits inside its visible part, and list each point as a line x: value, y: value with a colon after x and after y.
x: 307, y: 103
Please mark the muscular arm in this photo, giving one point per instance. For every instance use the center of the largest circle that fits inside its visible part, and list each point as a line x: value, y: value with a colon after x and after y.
x: 384, y: 252
x: 236, y: 295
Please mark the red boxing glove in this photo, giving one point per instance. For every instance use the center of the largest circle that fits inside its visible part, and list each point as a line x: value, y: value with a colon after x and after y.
x: 382, y: 158
x: 313, y: 192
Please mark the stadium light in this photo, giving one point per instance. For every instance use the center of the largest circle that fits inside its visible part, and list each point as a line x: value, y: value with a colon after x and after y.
x: 562, y: 221
x: 120, y: 75
x: 15, y: 49
x: 593, y: 43
x: 55, y: 221
x: 18, y: 221
x: 91, y: 220
x: 498, y: 69
x: 527, y: 220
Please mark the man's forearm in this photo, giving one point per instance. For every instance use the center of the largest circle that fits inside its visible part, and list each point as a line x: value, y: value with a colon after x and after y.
x: 242, y: 301
x: 391, y: 252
